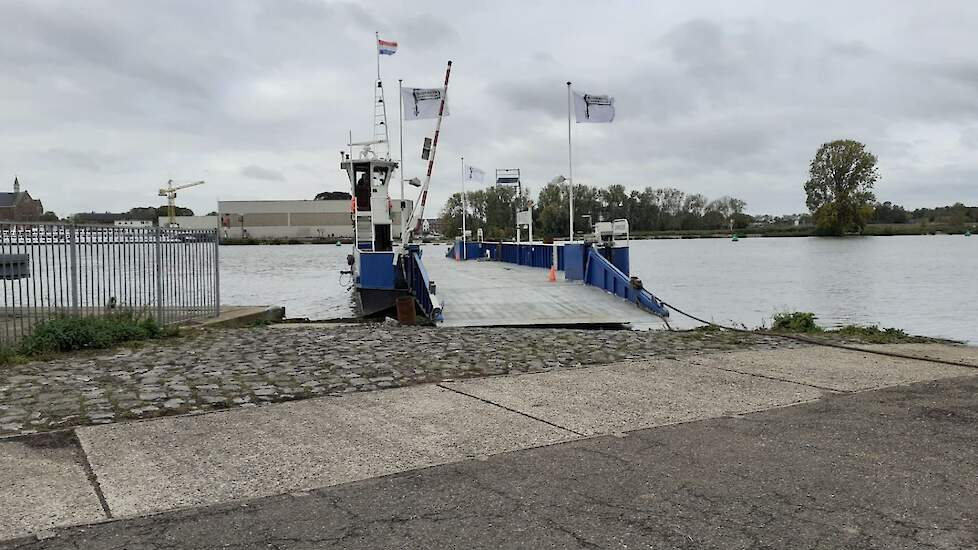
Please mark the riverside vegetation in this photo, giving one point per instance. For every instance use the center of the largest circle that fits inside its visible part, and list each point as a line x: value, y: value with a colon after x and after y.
x: 839, y: 196
x: 69, y: 333
x: 803, y: 322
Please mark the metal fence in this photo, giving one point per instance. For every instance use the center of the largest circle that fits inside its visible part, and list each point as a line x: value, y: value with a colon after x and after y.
x: 51, y: 269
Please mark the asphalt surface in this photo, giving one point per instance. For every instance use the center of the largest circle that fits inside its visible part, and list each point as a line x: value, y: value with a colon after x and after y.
x: 892, y: 468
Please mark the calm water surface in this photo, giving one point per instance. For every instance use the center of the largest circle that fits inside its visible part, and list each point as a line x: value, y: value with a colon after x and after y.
x: 923, y: 284
x: 303, y: 278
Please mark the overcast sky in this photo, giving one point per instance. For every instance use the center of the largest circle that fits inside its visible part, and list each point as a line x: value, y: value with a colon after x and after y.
x: 102, y: 101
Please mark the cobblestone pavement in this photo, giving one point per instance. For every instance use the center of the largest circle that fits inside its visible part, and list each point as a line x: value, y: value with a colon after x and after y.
x: 248, y: 367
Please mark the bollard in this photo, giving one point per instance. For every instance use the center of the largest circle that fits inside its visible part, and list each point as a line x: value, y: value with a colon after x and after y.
x: 406, y: 312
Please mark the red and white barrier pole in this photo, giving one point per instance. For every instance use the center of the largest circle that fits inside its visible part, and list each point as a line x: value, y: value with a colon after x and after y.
x: 417, y: 216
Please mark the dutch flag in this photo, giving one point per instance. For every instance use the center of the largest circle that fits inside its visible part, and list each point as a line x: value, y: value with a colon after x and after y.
x: 386, y: 48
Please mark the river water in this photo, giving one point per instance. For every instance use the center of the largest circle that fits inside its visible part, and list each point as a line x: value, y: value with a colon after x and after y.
x: 924, y: 284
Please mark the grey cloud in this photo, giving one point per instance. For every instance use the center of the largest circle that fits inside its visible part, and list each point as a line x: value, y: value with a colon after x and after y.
x: 543, y: 58
x: 964, y: 73
x: 714, y: 99
x: 73, y: 159
x: 547, y: 96
x: 853, y: 48
x: 425, y: 31
x: 259, y: 173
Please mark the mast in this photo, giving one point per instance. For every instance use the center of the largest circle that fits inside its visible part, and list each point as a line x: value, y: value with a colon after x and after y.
x: 417, y: 215
x: 400, y: 142
x: 380, y: 106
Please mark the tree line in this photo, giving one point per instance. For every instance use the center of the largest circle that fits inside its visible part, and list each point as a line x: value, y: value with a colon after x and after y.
x: 651, y: 209
x: 956, y: 214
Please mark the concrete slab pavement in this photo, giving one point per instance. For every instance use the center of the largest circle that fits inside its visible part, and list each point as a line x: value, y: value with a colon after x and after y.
x: 887, y: 469
x: 43, y: 485
x: 632, y: 396
x: 241, y: 316
x: 943, y: 352
x: 831, y: 368
x: 206, y: 459
x: 224, y: 457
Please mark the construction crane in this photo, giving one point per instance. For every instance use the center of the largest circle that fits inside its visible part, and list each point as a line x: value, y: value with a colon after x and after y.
x: 170, y: 192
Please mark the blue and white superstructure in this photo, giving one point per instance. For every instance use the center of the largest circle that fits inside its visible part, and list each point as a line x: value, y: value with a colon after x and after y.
x: 374, y: 263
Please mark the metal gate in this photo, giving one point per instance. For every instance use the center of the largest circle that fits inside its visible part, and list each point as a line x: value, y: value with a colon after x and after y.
x: 55, y: 269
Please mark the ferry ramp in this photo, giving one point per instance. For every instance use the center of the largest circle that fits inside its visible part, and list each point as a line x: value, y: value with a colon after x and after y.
x: 478, y: 293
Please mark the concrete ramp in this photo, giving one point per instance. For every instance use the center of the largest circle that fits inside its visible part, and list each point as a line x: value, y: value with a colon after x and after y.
x: 187, y: 461
x: 477, y: 293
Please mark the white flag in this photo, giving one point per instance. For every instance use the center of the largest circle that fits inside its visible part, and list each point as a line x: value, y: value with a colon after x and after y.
x: 422, y: 103
x: 474, y: 174
x: 594, y: 108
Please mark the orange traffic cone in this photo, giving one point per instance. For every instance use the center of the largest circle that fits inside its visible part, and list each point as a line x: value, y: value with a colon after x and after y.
x: 553, y: 274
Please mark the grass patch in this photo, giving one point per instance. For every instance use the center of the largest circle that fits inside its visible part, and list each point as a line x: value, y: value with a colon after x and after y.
x: 8, y: 354
x: 872, y: 334
x: 67, y: 334
x: 795, y: 321
x: 803, y: 322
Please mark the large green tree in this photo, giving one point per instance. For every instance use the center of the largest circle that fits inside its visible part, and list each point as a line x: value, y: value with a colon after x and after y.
x: 840, y: 186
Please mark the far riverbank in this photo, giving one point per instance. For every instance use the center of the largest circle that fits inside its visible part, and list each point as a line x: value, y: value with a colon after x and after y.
x: 872, y: 230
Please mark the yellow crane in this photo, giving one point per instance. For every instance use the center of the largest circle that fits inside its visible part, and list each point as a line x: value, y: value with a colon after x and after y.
x: 170, y: 192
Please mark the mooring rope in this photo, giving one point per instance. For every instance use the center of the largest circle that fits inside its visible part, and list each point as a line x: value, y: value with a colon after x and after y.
x: 824, y: 343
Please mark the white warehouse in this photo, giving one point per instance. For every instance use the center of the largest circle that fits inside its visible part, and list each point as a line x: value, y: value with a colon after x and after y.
x: 303, y: 219
x: 190, y: 222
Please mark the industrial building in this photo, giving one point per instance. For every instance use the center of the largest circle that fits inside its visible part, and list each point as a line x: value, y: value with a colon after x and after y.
x: 190, y: 222
x: 302, y: 219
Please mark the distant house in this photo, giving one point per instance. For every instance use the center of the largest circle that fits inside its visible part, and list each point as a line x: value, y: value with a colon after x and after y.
x: 431, y: 226
x: 19, y: 206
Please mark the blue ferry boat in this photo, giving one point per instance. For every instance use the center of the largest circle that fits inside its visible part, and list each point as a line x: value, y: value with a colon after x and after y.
x: 384, y: 266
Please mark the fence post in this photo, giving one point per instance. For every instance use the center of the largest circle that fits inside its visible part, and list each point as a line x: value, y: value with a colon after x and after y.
x: 73, y: 266
x: 217, y: 273
x: 159, y: 276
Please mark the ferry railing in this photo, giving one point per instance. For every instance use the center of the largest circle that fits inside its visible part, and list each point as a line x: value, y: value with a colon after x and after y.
x: 600, y: 272
x: 50, y: 270
x: 528, y: 254
x: 422, y: 288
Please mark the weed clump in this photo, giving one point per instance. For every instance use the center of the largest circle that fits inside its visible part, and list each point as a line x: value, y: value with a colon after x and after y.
x: 795, y: 321
x: 873, y: 334
x: 804, y: 322
x: 69, y: 333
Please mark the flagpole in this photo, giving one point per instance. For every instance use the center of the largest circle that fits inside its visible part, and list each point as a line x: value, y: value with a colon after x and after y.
x: 464, y: 209
x: 377, y: 47
x: 400, y: 129
x: 400, y: 141
x: 570, y: 163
